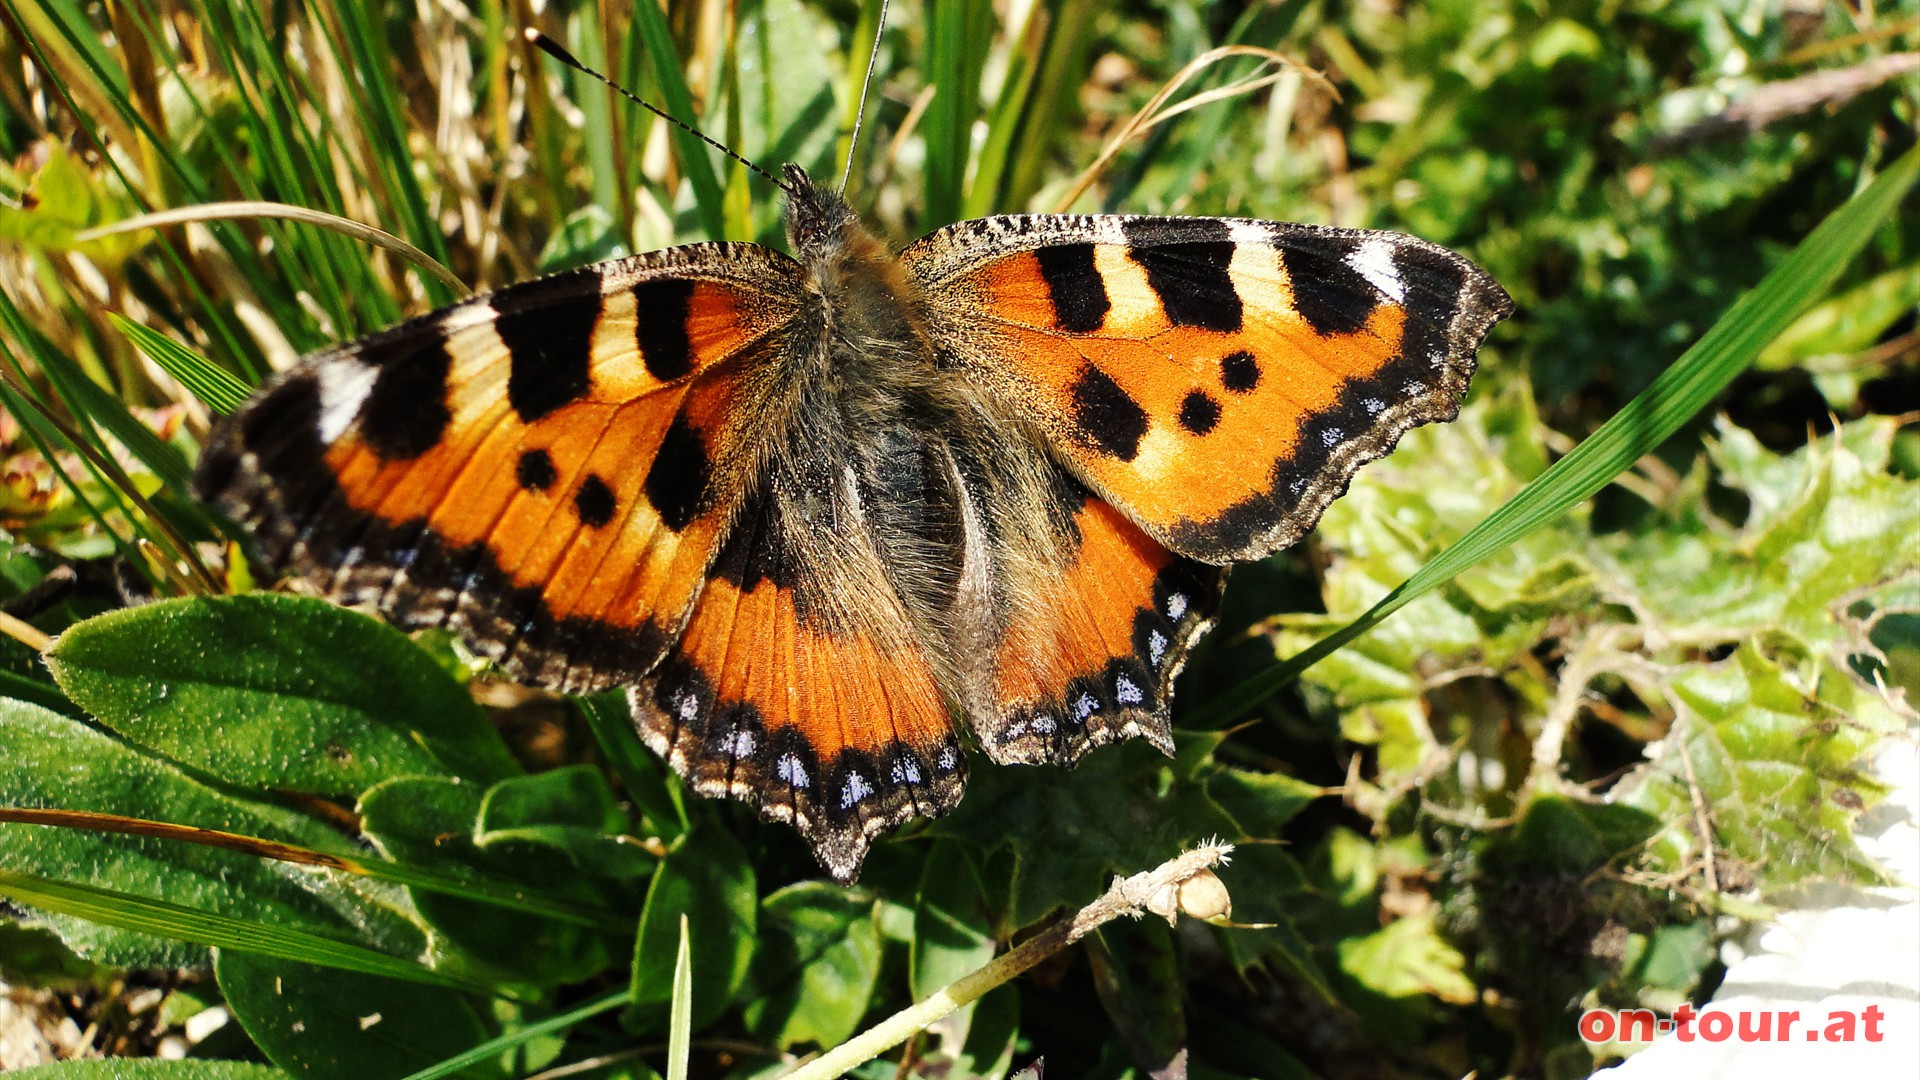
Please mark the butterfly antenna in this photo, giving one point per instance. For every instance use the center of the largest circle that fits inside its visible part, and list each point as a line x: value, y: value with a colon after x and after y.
x: 860, y: 112
x: 553, y: 48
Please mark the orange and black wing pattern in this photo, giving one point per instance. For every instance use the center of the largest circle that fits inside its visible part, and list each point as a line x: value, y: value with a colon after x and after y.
x: 1217, y: 379
x: 1089, y: 650
x: 547, y: 470
x: 800, y: 684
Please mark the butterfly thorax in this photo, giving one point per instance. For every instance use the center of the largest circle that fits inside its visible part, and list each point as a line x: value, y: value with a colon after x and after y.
x: 863, y: 485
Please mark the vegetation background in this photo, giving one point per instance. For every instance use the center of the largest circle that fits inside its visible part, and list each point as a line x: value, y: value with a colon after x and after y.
x: 1557, y: 780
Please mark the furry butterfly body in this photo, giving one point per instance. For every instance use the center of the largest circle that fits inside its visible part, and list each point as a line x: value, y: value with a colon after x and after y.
x: 824, y: 513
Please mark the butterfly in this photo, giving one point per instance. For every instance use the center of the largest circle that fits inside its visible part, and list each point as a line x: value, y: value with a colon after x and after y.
x: 824, y: 513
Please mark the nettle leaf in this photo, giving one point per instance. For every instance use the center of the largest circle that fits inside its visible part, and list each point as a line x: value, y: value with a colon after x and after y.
x: 279, y: 692
x: 1396, y: 516
x: 437, y: 823
x: 1773, y: 764
x: 814, y: 967
x: 52, y: 761
x: 1824, y: 523
x: 326, y: 1023
x: 1123, y: 809
x: 708, y: 879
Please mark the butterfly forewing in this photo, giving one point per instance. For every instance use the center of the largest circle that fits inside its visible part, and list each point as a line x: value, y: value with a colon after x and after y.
x: 545, y: 469
x: 1220, y: 380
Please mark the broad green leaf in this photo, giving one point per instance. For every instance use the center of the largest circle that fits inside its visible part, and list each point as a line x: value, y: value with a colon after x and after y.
x: 952, y: 930
x: 148, y: 1069
x: 301, y: 694
x: 569, y: 811
x: 435, y: 823
x: 325, y: 1023
x: 815, y: 965
x: 707, y: 879
x: 47, y: 760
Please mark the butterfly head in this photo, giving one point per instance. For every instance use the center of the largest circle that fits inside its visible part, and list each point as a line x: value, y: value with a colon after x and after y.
x: 819, y: 221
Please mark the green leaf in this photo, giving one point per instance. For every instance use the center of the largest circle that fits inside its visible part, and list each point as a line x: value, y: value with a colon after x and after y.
x: 160, y: 918
x: 952, y: 932
x: 1136, y: 975
x: 436, y: 823
x: 1772, y: 763
x: 48, y: 760
x: 1121, y: 810
x: 147, y: 1069
x: 814, y: 967
x: 321, y: 1022
x: 305, y: 695
x: 707, y: 879
x: 1409, y: 958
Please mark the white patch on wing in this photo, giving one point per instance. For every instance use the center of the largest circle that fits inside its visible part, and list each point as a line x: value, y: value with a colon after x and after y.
x: 1156, y: 646
x: 1126, y: 692
x: 1373, y: 260
x: 856, y: 788
x: 344, y: 386
x: 1176, y: 606
x: 739, y: 744
x: 789, y: 769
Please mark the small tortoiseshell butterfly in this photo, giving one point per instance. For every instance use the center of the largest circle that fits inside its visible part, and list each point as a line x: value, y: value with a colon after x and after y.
x: 821, y: 513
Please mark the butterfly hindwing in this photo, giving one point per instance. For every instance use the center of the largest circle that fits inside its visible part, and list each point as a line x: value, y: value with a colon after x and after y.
x: 547, y: 469
x: 1089, y: 650
x: 800, y: 684
x: 1218, y: 379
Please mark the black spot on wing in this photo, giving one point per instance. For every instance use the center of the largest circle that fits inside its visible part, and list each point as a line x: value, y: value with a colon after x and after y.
x: 302, y: 520
x: 660, y: 327
x: 547, y: 328
x: 1239, y: 372
x: 1199, y: 413
x: 535, y: 471
x: 406, y: 412
x: 1079, y: 295
x: 1105, y: 414
x: 594, y: 502
x: 1189, y: 269
x: 676, y: 484
x: 1328, y: 292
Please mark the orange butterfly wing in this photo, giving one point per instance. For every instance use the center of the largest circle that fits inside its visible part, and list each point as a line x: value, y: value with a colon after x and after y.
x: 546, y: 470
x: 1219, y: 380
x: 1090, y: 650
x: 801, y: 686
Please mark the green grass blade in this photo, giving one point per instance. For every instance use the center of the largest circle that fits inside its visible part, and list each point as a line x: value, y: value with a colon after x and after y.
x: 380, y: 106
x: 680, y: 1019
x: 158, y: 917
x: 493, y: 1048
x: 209, y: 382
x: 708, y: 197
x: 954, y: 59
x: 1682, y: 391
